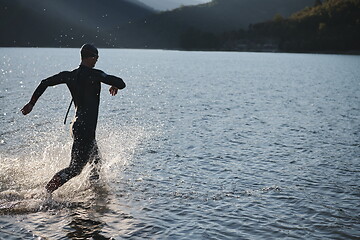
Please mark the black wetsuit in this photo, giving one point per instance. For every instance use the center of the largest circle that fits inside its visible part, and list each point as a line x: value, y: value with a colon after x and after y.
x: 84, y: 84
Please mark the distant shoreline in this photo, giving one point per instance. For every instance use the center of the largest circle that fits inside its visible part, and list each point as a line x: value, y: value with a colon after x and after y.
x: 349, y: 52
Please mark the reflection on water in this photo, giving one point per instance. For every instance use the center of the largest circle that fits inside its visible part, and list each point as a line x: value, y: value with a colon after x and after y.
x: 77, y: 220
x: 85, y: 228
x: 86, y: 223
x: 198, y: 146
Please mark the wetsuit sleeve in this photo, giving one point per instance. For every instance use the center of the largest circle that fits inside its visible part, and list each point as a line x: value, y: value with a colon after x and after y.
x: 51, y: 81
x: 113, y: 81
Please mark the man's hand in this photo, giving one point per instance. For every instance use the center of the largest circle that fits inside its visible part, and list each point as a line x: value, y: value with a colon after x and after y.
x: 113, y: 90
x: 27, y: 108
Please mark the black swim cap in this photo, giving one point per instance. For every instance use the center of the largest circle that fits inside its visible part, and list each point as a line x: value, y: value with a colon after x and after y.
x: 88, y: 50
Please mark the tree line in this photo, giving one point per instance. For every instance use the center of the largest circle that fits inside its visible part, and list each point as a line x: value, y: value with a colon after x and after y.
x: 331, y: 25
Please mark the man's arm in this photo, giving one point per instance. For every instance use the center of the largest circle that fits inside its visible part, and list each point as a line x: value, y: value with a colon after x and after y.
x: 51, y: 81
x: 115, y: 82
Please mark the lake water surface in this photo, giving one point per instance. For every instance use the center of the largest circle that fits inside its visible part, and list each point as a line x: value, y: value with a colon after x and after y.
x: 200, y: 145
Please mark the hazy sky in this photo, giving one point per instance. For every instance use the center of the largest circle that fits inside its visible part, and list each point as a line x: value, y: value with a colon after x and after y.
x: 171, y: 4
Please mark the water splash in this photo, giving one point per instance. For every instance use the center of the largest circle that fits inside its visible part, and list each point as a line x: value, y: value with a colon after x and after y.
x: 24, y: 176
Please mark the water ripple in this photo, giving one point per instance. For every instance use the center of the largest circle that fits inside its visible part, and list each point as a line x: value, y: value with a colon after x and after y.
x: 198, y: 146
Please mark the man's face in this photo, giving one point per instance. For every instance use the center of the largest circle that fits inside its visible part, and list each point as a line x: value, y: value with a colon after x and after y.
x: 93, y: 61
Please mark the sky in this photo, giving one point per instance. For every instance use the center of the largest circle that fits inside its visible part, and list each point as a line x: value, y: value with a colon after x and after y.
x: 163, y: 5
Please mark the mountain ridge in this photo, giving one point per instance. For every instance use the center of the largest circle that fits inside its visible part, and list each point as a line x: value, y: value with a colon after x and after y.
x: 165, y: 29
x: 65, y: 23
x: 130, y: 24
x: 225, y: 15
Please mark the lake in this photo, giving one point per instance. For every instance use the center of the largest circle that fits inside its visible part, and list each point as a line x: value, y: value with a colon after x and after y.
x: 199, y: 145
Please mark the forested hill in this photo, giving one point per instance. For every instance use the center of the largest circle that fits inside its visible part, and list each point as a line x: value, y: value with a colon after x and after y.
x: 243, y: 25
x: 66, y: 23
x: 126, y: 23
x: 329, y: 26
x: 225, y: 15
x: 165, y: 30
x: 332, y: 25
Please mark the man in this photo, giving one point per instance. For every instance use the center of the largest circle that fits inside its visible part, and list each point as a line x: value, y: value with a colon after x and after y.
x: 84, y: 84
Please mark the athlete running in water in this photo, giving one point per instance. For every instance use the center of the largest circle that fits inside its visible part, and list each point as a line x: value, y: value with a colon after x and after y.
x: 84, y: 85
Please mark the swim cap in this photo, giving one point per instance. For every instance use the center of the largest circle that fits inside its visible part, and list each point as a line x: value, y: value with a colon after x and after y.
x: 88, y: 50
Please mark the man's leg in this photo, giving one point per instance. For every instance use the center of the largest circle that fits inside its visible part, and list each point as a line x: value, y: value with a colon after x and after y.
x: 80, y: 154
x: 95, y: 162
